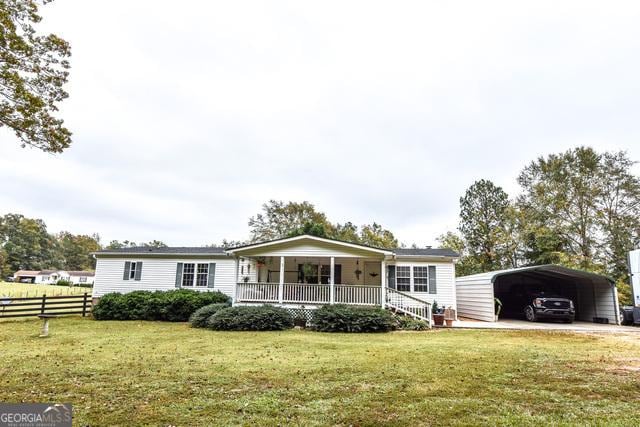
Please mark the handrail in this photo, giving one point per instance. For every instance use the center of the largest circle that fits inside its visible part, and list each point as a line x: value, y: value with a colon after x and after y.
x: 414, y: 307
x: 405, y: 295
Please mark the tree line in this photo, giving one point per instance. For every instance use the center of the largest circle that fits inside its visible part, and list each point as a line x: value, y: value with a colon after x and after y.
x: 25, y: 244
x: 579, y: 208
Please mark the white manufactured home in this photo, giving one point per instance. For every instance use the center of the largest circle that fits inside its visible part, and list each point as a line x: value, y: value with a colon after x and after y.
x: 297, y: 272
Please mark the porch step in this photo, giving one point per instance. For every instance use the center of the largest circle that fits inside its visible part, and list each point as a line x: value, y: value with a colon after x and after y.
x: 409, y: 305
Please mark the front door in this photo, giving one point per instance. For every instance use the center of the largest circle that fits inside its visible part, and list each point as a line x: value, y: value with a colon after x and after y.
x: 372, y: 273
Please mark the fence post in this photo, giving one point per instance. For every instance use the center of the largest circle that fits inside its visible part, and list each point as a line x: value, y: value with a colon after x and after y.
x: 44, y: 302
x: 84, y: 305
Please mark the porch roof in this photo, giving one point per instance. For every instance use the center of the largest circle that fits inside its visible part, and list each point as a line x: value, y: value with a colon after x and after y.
x: 291, y: 242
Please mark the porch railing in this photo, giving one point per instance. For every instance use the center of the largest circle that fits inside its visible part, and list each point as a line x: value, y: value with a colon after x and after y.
x: 357, y: 295
x: 403, y: 303
x: 257, y: 292
x: 306, y: 293
x: 303, y: 293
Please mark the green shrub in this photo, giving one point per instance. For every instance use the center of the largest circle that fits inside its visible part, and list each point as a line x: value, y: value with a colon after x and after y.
x: 346, y: 318
x: 178, y: 305
x: 407, y: 323
x: 251, y: 318
x: 110, y: 307
x: 172, y: 306
x: 63, y: 282
x: 199, y: 317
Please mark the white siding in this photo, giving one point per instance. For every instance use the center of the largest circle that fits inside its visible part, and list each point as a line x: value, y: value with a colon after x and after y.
x: 445, y: 294
x: 158, y: 274
x: 596, y: 300
x: 475, y: 299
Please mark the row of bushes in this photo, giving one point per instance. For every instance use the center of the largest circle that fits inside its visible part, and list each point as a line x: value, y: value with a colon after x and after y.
x: 213, y: 310
x: 171, y: 306
x: 330, y: 318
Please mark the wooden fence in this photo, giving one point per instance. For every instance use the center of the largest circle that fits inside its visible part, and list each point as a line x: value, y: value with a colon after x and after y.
x: 52, y: 305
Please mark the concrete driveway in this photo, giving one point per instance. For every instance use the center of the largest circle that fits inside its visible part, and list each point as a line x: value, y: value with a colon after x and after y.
x: 544, y: 326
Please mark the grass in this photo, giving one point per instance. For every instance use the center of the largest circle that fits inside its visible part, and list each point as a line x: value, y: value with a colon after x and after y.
x: 26, y: 290
x: 152, y: 373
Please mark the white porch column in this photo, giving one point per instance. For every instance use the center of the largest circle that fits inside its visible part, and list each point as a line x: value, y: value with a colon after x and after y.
x: 235, y: 282
x: 281, y: 283
x: 383, y: 283
x: 332, y: 281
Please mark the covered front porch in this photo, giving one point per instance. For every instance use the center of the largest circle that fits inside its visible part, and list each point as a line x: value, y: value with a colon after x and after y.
x: 304, y: 280
x: 308, y: 271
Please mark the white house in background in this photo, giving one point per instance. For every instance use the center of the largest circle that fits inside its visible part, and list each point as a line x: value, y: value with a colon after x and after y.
x: 51, y: 277
x: 297, y: 272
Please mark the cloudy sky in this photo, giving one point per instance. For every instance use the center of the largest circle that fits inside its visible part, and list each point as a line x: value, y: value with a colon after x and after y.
x: 188, y: 115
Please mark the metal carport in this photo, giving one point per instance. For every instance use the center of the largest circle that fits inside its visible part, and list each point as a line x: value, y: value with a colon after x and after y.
x: 594, y: 295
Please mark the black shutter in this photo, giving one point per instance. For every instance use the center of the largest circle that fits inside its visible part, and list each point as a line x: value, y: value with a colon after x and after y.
x: 179, y: 275
x: 432, y: 279
x: 127, y: 270
x: 337, y: 274
x: 212, y: 274
x: 138, y: 275
x: 391, y: 276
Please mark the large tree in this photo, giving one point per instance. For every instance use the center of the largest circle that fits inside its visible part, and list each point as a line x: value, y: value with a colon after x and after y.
x: 375, y: 235
x: 26, y: 244
x: 33, y: 71
x: 467, y: 264
x: 483, y: 210
x: 560, y: 193
x: 279, y: 219
x: 618, y: 212
x: 76, y: 250
x: 582, y: 209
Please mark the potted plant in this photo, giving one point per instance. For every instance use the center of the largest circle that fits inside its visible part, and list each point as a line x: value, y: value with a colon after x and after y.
x: 449, y: 316
x: 438, y: 316
x: 245, y: 279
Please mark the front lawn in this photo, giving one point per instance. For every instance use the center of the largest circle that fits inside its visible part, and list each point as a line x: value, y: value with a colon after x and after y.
x: 131, y: 373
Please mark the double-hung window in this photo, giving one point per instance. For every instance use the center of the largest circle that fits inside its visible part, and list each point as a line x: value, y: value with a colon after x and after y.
x: 420, y: 279
x: 195, y: 275
x: 203, y: 275
x: 403, y: 278
x: 132, y: 271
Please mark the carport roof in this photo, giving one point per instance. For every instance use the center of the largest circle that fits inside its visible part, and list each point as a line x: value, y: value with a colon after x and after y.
x: 549, y: 269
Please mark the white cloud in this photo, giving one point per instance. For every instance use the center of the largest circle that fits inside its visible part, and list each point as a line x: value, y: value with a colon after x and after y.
x: 187, y: 117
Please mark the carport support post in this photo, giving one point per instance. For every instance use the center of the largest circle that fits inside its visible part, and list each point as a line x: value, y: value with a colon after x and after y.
x: 281, y: 283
